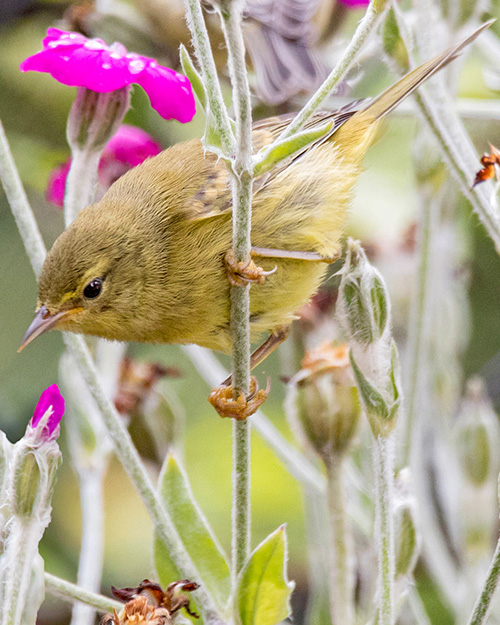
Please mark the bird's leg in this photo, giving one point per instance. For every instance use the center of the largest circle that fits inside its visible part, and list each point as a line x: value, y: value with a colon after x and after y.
x: 222, y: 398
x: 247, y: 272
x: 273, y: 341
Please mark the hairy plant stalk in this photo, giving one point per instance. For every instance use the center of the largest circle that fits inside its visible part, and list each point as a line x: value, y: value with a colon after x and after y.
x: 242, y: 181
x: 123, y: 445
x: 417, y: 331
x: 483, y: 604
x: 203, y: 50
x: 462, y: 161
x: 71, y: 592
x: 341, y: 578
x: 81, y: 182
x: 79, y: 192
x: 23, y: 547
x: 383, y: 464
x: 23, y: 215
x: 92, y: 539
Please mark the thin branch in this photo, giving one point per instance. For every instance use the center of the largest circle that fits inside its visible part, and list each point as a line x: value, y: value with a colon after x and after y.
x: 242, y: 181
x: 25, y: 220
x: 71, y: 592
x: 203, y: 50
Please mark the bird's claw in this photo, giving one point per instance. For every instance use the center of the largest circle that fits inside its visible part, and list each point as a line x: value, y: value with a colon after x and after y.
x: 222, y: 399
x: 245, y: 272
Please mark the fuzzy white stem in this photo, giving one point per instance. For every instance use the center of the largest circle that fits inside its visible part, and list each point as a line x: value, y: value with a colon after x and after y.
x: 17, y: 568
x: 25, y: 220
x: 71, y: 592
x: 92, y: 542
x: 383, y: 464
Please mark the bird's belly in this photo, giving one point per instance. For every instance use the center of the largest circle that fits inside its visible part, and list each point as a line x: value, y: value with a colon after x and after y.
x: 273, y: 303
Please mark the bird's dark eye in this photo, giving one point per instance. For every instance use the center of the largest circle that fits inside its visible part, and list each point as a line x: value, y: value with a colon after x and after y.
x: 93, y: 288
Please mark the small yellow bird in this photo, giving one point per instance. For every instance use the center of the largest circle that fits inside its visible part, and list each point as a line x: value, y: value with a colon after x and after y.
x: 146, y: 263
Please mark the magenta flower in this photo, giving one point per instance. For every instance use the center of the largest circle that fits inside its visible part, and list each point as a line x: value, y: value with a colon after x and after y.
x: 51, y: 401
x: 74, y: 60
x: 354, y: 4
x: 129, y: 147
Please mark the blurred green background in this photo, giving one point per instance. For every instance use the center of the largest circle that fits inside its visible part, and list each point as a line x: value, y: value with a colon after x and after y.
x: 33, y: 109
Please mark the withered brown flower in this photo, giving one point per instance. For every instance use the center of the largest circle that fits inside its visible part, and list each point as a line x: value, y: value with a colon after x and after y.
x: 148, y: 604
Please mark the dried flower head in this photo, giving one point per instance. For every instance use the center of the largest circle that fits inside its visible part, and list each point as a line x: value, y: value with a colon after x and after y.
x: 148, y: 604
x: 137, y: 382
x: 327, y: 399
x: 76, y: 61
x: 489, y: 162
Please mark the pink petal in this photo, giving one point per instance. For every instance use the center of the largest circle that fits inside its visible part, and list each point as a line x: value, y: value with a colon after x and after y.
x: 131, y: 145
x: 76, y: 61
x: 170, y: 93
x: 354, y: 4
x: 57, y: 183
x: 50, y: 398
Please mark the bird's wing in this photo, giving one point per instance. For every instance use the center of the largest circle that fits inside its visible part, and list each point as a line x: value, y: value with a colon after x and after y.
x: 214, y: 197
x: 266, y: 131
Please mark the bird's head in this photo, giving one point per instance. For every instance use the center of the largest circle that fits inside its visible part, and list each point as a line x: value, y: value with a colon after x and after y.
x: 93, y: 279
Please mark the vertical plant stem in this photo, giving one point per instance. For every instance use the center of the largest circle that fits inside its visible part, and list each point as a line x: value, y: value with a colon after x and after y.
x: 21, y: 210
x: 201, y: 43
x: 92, y: 541
x: 17, y: 570
x: 242, y: 180
x: 341, y: 586
x: 79, y: 192
x: 81, y: 182
x: 419, y: 313
x: 383, y: 461
x: 483, y: 604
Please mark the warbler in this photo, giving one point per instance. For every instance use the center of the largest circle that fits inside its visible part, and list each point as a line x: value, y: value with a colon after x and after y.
x: 146, y: 262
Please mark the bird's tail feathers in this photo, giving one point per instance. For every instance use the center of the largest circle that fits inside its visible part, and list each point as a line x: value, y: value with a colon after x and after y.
x: 391, y: 97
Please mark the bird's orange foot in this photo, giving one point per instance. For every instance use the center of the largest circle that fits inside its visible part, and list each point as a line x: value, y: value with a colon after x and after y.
x: 223, y: 401
x: 246, y: 272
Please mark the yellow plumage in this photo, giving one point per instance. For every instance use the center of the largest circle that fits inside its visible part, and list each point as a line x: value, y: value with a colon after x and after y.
x: 156, y: 241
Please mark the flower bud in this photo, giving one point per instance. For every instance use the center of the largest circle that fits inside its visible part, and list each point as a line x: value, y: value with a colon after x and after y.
x: 363, y: 306
x: 95, y: 117
x: 381, y: 406
x: 477, y: 434
x: 328, y: 403
x: 26, y: 483
x: 36, y: 456
x: 364, y: 313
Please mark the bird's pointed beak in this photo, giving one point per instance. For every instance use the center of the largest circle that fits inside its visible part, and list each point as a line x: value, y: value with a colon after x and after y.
x: 42, y: 322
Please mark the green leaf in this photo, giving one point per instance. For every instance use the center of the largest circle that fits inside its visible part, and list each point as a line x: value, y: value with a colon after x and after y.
x: 268, y: 157
x: 194, y: 78
x: 393, y: 43
x: 263, y: 593
x: 381, y: 414
x: 195, y: 533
